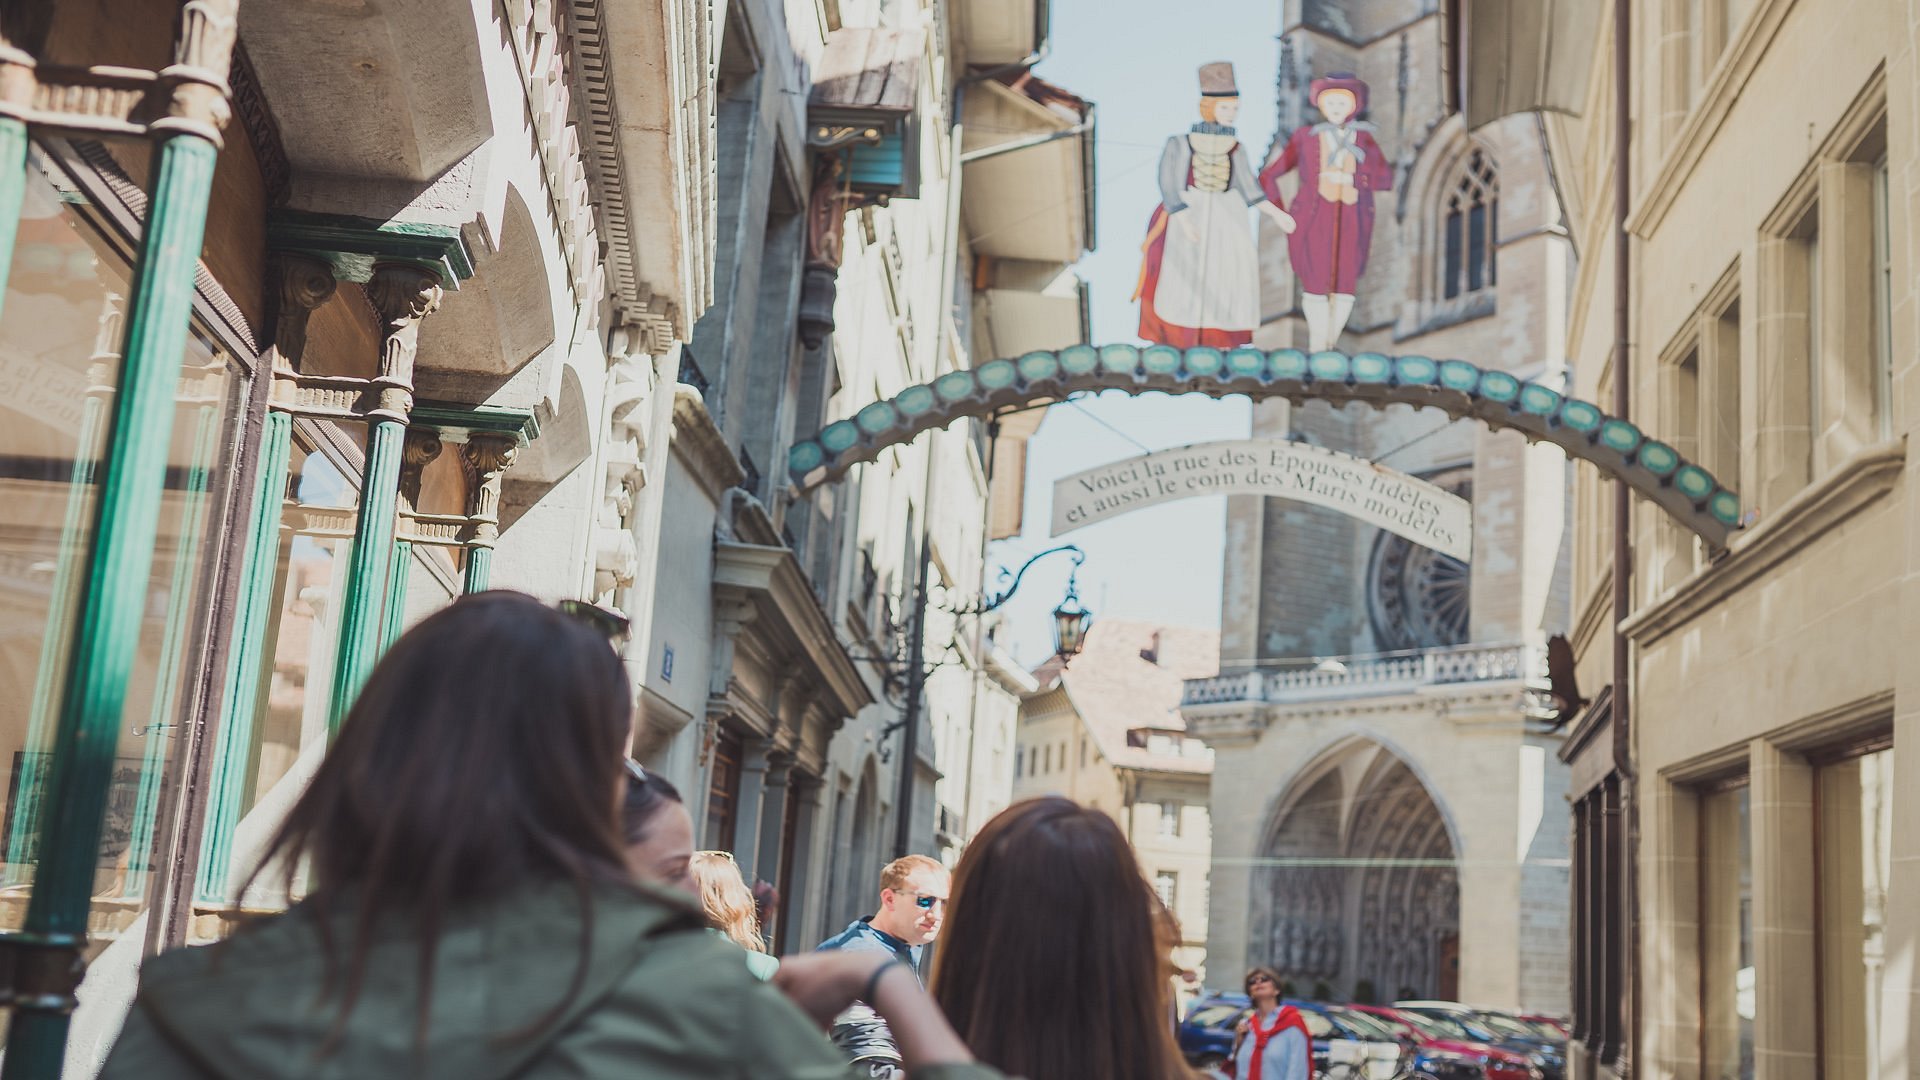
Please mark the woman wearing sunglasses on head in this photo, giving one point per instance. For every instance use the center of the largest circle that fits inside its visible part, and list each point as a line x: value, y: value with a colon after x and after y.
x: 471, y: 912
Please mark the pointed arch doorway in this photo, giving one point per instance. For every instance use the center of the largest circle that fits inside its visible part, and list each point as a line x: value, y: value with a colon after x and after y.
x: 1357, y: 891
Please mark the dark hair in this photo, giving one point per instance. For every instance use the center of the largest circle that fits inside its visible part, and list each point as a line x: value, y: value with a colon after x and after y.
x: 1262, y: 969
x: 643, y: 803
x: 1049, y: 965
x: 485, y: 751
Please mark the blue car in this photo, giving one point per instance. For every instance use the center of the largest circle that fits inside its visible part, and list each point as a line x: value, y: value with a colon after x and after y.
x: 1206, y: 1036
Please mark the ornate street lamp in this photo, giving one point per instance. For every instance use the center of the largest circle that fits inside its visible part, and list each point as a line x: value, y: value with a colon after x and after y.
x: 1070, y: 621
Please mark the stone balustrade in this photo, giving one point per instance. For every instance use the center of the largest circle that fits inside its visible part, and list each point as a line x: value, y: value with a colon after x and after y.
x: 1368, y: 676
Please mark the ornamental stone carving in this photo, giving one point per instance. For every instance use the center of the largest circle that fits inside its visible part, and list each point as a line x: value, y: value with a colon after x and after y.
x: 402, y: 294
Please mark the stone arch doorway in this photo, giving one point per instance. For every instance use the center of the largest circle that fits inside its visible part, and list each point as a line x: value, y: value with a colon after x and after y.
x: 1356, y: 892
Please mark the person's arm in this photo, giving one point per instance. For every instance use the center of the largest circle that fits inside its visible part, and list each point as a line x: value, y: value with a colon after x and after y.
x: 825, y: 984
x: 1280, y: 166
x: 1173, y: 175
x: 1376, y: 172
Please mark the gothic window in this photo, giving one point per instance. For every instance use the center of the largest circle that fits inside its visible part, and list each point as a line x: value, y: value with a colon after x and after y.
x: 1470, y: 228
x: 1417, y: 598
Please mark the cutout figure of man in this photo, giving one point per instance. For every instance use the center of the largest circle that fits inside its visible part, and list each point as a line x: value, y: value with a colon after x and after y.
x: 1340, y: 167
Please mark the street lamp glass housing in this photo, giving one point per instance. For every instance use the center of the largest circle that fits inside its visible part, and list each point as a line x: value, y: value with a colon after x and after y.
x: 1070, y: 622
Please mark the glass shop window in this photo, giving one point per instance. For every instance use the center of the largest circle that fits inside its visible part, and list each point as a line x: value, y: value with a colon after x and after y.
x: 60, y: 367
x: 1726, y: 932
x: 1853, y: 863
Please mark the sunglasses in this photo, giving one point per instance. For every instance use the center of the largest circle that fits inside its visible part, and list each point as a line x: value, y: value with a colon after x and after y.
x: 614, y: 625
x: 928, y: 903
x: 635, y: 773
x: 727, y: 855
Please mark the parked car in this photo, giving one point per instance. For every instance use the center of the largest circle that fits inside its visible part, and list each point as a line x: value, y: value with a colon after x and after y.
x: 1547, y: 1055
x: 1553, y: 1027
x: 1344, y: 1043
x: 1440, y: 1053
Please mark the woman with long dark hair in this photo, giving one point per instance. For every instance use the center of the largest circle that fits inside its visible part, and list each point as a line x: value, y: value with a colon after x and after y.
x: 471, y: 910
x: 1051, y: 964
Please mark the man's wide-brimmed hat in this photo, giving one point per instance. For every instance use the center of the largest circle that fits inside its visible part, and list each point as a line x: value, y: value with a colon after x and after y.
x: 1340, y: 80
x: 1216, y: 80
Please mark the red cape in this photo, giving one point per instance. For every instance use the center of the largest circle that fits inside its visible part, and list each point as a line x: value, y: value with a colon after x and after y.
x: 1289, y: 1018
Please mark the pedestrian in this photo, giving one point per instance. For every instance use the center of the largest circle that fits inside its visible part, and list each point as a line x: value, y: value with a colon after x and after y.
x: 731, y: 910
x: 1053, y: 965
x: 471, y: 912
x: 658, y: 831
x: 1271, y: 1042
x: 913, y: 903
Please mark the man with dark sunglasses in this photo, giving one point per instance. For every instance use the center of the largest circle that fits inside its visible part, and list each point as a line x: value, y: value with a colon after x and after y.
x: 913, y: 903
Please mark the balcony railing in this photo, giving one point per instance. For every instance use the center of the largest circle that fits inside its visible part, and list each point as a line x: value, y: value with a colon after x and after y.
x: 1369, y: 676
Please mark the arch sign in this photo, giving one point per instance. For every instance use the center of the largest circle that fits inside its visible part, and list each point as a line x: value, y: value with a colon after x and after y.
x: 1384, y: 498
x: 1461, y: 390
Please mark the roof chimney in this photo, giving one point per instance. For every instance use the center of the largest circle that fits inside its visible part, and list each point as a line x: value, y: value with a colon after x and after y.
x: 1151, y: 654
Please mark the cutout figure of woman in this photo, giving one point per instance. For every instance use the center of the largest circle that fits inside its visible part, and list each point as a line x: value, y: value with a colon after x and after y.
x: 1200, y: 278
x: 1341, y: 166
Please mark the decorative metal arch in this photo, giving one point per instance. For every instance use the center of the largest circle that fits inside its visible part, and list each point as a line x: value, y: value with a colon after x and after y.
x: 1459, y: 389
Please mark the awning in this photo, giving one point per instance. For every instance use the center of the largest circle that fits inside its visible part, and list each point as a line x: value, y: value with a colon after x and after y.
x: 869, y: 69
x: 1034, y: 202
x: 1510, y: 56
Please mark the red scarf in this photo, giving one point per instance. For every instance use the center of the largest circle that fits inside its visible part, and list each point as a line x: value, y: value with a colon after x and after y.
x: 1288, y: 1017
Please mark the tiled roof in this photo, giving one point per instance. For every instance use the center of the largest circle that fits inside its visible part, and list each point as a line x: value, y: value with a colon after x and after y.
x: 1116, y: 689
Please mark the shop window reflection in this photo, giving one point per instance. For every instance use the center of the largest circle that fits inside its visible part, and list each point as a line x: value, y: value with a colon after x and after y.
x: 1854, y: 857
x: 1726, y: 932
x: 59, y: 369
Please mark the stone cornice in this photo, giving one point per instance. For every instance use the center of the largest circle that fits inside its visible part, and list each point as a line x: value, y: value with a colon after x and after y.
x: 699, y: 443
x: 771, y: 579
x: 1760, y: 547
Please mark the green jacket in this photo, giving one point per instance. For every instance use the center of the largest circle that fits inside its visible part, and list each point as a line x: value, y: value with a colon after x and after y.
x: 661, y: 999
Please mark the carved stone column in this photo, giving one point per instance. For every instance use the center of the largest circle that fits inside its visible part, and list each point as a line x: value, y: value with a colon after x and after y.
x: 403, y: 294
x: 487, y: 457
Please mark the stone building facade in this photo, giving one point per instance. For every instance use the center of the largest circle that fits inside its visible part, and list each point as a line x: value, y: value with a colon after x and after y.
x: 774, y: 626
x: 1384, y: 802
x: 1758, y: 818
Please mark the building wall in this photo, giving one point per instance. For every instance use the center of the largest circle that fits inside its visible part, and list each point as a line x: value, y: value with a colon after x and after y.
x: 1760, y: 666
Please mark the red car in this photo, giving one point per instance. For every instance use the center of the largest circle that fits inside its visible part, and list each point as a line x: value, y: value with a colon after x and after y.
x: 1449, y: 1056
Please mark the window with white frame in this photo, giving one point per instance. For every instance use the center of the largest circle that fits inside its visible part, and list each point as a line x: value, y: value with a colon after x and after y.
x: 1170, y: 818
x: 1166, y: 883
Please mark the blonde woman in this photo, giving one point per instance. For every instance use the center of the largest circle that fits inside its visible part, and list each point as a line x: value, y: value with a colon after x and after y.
x: 730, y: 908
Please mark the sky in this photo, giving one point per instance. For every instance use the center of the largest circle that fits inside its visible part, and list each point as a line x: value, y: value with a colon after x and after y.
x: 1161, y: 564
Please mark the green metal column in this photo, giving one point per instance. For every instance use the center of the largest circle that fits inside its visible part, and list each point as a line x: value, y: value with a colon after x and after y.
x: 488, y: 456
x: 126, y: 519
x: 300, y: 284
x: 403, y: 294
x: 395, y: 618
x: 479, y: 570
x: 247, y: 662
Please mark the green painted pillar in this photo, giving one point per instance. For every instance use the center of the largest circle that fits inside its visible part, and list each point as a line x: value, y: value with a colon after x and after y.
x: 246, y: 662
x: 106, y: 627
x: 300, y: 285
x: 488, y: 457
x: 14, y: 142
x: 394, y: 618
x: 159, y: 728
x: 403, y: 294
